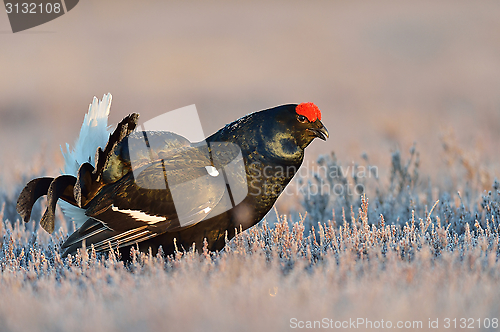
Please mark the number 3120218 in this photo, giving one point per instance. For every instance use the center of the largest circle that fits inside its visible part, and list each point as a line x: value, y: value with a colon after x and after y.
x: 33, y: 8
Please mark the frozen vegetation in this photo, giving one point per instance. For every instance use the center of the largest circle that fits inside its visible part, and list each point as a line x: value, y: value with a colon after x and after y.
x: 403, y: 252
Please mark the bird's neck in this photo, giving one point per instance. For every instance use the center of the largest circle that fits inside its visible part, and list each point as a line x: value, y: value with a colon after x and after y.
x: 253, y: 139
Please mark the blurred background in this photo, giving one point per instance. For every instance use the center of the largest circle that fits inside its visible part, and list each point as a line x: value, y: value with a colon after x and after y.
x: 385, y: 74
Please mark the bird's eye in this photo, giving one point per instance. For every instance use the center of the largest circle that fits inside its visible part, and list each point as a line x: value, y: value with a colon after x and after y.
x: 302, y: 118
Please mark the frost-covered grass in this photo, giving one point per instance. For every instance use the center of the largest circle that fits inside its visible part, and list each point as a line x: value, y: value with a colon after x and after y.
x: 407, y: 251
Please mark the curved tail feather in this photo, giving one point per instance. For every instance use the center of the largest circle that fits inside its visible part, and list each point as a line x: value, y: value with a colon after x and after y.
x: 83, y: 181
x: 35, y: 189
x: 60, y: 187
x: 123, y: 129
x: 83, y: 184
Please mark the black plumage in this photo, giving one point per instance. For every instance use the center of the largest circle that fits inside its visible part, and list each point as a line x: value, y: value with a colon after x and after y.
x: 180, y: 190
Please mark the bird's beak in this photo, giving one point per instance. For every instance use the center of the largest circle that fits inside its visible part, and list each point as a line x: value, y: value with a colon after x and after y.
x: 320, y: 132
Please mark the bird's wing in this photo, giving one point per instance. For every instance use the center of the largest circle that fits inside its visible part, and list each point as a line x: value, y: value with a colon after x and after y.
x: 166, y: 195
x: 123, y: 154
x: 137, y: 149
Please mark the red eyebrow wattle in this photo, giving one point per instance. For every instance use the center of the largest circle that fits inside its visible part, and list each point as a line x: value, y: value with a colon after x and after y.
x: 309, y: 110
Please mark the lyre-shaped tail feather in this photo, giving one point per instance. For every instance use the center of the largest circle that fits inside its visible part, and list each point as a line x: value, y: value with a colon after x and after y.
x: 35, y: 189
x: 90, y: 179
x: 123, y: 129
x: 60, y: 187
x: 84, y: 180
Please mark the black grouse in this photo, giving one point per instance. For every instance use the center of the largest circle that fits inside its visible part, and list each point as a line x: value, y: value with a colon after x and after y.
x: 176, y: 190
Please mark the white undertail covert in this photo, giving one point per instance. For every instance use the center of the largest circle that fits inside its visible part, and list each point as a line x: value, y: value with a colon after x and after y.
x: 93, y: 134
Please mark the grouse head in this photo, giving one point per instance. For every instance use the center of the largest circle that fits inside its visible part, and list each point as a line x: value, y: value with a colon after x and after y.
x: 277, y: 134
